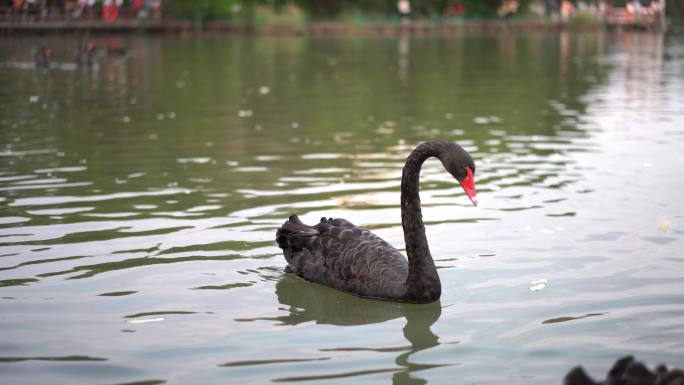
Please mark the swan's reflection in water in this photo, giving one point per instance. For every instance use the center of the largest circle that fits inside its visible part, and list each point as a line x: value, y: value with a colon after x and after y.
x: 307, y: 302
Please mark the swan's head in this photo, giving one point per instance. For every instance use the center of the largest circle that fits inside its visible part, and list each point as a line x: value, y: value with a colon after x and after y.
x: 461, y: 165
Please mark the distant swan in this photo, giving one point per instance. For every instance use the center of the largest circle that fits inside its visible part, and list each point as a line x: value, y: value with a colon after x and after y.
x: 338, y: 254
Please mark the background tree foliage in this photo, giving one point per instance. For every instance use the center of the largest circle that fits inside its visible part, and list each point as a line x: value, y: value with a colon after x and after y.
x: 325, y: 9
x: 244, y: 10
x: 208, y: 9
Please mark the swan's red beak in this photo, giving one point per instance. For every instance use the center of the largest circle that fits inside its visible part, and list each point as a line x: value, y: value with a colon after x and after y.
x: 468, y: 185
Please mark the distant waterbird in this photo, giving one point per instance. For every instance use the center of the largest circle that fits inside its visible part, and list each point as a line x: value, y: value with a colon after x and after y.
x: 85, y: 53
x: 42, y: 57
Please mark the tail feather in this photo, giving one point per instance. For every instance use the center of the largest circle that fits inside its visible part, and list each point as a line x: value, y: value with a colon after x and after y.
x: 294, y: 226
x: 294, y: 235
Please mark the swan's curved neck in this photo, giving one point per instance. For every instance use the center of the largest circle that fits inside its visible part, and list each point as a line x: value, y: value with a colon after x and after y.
x: 423, y: 280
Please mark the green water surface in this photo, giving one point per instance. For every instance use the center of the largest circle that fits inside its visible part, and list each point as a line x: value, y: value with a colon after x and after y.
x: 139, y: 200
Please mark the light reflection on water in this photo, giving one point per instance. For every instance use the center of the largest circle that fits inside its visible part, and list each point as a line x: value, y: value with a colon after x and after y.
x: 140, y: 200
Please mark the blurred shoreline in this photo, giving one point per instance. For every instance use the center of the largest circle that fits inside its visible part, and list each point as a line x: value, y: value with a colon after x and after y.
x: 314, y: 28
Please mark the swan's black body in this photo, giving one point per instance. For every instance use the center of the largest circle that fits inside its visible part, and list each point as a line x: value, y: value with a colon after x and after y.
x: 338, y: 254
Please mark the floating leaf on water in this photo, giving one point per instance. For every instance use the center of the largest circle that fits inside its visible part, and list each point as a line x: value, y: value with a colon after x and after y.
x: 144, y: 320
x: 664, y: 225
x: 539, y: 284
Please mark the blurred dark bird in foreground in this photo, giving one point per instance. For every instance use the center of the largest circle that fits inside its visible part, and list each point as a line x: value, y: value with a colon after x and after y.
x: 626, y: 371
x: 42, y: 57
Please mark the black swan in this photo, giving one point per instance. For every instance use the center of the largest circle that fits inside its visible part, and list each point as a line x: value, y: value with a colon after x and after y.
x: 85, y: 53
x: 627, y: 371
x: 338, y: 254
x: 42, y: 57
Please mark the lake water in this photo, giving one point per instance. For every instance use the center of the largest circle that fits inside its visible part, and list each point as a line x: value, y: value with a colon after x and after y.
x: 140, y: 199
